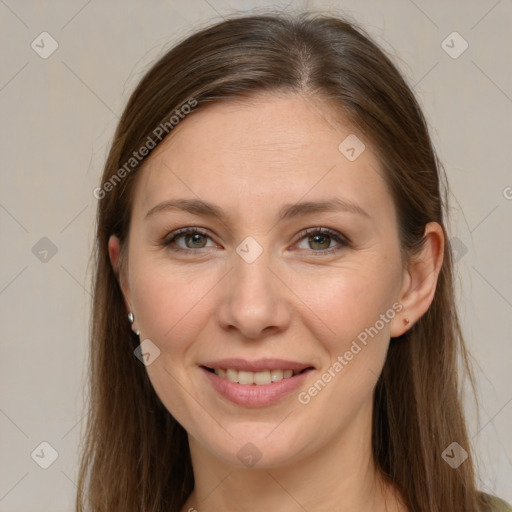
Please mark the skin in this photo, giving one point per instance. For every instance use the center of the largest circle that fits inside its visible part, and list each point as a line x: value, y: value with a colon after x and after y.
x: 293, y: 302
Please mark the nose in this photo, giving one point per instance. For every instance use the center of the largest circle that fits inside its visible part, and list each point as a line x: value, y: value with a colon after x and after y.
x: 255, y: 301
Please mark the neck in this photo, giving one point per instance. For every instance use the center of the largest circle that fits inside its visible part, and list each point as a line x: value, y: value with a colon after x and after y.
x: 342, y: 477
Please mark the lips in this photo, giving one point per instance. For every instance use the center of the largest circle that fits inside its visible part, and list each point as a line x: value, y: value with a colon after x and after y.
x: 255, y: 383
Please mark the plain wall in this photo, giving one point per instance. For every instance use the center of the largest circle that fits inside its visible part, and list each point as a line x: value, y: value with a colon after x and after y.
x: 58, y: 117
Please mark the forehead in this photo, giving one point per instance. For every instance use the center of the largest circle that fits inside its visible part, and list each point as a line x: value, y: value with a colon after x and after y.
x: 263, y: 151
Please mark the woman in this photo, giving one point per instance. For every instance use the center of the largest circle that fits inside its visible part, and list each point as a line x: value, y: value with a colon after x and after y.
x: 274, y: 324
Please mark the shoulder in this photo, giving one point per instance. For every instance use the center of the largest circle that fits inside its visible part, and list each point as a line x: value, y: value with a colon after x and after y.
x: 495, y: 504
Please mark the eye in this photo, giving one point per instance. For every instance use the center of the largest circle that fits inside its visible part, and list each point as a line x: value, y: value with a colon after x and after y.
x: 320, y: 240
x: 193, y: 238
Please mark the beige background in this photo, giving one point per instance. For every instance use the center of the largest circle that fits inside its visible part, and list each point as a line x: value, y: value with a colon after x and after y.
x: 58, y: 116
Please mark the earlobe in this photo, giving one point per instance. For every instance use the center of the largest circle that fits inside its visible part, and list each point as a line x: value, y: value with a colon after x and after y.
x: 420, y: 280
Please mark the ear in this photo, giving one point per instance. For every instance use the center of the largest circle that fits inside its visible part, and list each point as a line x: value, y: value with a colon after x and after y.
x: 114, y: 251
x: 420, y: 280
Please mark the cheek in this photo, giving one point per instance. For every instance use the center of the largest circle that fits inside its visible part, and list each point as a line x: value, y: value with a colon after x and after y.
x: 356, y: 310
x: 343, y: 302
x: 170, y: 304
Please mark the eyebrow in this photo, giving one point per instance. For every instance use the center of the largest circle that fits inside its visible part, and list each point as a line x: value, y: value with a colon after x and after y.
x: 288, y: 211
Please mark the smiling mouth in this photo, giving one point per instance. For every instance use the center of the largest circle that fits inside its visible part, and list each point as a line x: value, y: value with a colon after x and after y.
x: 247, y: 378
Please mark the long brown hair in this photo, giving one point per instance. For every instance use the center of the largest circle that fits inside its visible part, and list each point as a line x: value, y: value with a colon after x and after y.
x: 135, y: 454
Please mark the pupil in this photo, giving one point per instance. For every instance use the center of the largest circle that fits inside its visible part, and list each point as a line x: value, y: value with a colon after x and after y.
x: 196, y: 238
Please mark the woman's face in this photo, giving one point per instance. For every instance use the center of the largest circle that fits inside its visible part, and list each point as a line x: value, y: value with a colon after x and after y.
x: 251, y: 283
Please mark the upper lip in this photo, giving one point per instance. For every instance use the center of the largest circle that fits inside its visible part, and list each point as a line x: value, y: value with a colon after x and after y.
x: 259, y: 365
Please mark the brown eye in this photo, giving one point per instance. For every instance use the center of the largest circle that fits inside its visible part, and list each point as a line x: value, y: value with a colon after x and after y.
x: 323, y: 241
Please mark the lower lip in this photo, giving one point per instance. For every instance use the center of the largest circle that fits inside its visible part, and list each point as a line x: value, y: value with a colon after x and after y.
x: 252, y: 395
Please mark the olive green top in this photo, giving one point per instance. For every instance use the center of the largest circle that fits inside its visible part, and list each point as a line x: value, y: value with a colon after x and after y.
x: 498, y: 505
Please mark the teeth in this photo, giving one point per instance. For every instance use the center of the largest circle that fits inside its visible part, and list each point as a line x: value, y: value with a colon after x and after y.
x: 259, y: 378
x: 232, y: 375
x: 245, y: 377
x: 276, y: 375
x: 262, y: 378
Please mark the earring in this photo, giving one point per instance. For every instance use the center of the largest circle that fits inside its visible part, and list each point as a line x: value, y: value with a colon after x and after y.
x: 406, y: 321
x: 131, y: 319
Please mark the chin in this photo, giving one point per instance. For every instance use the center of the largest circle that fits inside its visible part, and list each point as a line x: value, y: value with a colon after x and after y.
x: 257, y: 445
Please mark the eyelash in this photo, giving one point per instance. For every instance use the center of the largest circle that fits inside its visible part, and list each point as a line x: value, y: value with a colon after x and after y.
x: 169, y: 240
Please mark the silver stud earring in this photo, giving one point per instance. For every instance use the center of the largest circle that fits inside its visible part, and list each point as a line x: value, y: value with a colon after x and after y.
x: 131, y: 319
